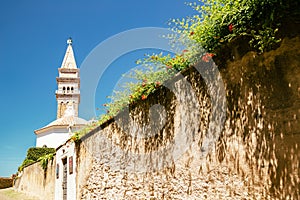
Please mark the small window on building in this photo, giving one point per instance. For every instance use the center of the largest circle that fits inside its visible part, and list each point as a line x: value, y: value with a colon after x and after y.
x: 72, y: 89
x: 57, y: 171
x: 71, y: 165
x: 64, y: 89
x: 68, y: 89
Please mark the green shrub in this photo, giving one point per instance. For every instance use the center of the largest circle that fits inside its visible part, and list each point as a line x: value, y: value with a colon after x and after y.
x: 33, y: 155
x: 219, y: 21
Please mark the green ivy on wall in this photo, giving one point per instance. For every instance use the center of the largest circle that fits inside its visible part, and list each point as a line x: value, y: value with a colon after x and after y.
x: 35, y: 154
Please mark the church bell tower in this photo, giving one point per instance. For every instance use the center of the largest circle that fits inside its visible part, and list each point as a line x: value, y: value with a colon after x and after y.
x: 68, y: 85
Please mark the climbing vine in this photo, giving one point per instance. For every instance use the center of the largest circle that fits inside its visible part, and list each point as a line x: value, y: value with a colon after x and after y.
x: 34, y: 154
x: 45, y: 159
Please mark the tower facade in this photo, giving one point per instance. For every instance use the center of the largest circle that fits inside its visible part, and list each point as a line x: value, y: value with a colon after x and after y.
x: 68, y: 85
x: 68, y: 98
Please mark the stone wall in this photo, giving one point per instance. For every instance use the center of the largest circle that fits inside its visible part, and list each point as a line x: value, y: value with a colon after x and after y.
x: 265, y: 104
x: 83, y: 166
x: 5, y: 182
x: 35, y: 181
x: 186, y: 141
x: 169, y: 163
x: 165, y: 147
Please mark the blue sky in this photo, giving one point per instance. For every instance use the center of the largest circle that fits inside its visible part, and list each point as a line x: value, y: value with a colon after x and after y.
x: 33, y: 38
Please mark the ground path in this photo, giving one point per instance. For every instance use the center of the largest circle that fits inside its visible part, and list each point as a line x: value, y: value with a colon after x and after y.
x: 11, y: 194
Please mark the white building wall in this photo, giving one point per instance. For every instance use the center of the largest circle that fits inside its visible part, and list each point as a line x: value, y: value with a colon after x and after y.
x: 65, y: 152
x: 52, y: 138
x: 68, y: 75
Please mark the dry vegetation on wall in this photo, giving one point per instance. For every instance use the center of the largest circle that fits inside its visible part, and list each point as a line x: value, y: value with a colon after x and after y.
x: 6, y: 182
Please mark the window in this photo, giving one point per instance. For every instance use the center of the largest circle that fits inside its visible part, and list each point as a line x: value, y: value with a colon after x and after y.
x: 57, y: 171
x: 71, y: 165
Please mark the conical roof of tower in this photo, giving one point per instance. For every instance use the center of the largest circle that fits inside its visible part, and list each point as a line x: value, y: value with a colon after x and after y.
x: 69, y: 59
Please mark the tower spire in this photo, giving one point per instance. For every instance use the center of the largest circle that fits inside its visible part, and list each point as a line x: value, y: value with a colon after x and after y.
x: 69, y: 59
x: 69, y: 41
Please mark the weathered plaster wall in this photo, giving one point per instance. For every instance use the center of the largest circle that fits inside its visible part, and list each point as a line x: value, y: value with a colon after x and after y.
x: 256, y: 156
x: 265, y: 100
x: 84, y: 163
x: 34, y: 181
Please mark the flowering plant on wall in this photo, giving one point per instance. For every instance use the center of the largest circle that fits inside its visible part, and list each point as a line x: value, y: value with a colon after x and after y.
x: 216, y: 23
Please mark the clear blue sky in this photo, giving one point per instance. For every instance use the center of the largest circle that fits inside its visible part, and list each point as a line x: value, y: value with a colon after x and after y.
x: 33, y: 36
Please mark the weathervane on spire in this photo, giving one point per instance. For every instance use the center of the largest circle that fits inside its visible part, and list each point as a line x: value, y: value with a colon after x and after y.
x: 69, y: 41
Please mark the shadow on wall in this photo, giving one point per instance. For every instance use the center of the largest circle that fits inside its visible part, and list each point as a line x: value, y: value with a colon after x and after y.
x: 264, y: 110
x: 256, y: 156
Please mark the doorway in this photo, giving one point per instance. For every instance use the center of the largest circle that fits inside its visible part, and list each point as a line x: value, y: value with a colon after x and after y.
x: 65, y: 178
